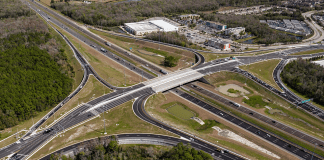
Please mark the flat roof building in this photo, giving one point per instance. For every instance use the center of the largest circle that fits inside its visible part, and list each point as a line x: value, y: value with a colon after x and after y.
x: 141, y: 28
x: 234, y: 31
x: 218, y: 43
x: 189, y: 16
x: 216, y: 25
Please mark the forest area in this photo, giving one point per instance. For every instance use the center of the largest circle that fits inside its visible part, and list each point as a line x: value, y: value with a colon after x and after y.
x: 306, y: 78
x: 108, y: 148
x: 115, y: 14
x: 34, y: 72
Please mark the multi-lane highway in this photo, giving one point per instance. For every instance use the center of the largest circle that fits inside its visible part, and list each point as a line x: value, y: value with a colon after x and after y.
x: 256, y: 115
x: 27, y: 145
x: 253, y: 129
x: 138, y: 108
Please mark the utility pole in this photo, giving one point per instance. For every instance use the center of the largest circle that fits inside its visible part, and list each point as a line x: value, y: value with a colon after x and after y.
x: 159, y: 38
x: 104, y: 122
x: 124, y: 74
x: 142, y: 75
x: 314, y: 150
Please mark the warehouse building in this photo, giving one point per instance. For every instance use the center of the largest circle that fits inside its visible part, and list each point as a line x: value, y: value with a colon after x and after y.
x: 216, y: 25
x: 218, y: 43
x: 142, y: 28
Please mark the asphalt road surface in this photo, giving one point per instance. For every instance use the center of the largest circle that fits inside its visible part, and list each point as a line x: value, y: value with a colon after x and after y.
x: 29, y: 144
x: 253, y: 129
x: 138, y: 108
x: 148, y: 138
x: 290, y: 130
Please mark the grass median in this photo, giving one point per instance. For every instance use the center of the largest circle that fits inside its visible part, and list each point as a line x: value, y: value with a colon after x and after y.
x: 139, y: 47
x: 158, y: 107
x: 259, y: 124
x: 107, y: 69
x: 119, y: 120
x: 284, y: 111
x: 309, y: 52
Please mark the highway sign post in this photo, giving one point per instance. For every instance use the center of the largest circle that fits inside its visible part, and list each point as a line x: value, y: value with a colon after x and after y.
x: 304, y: 101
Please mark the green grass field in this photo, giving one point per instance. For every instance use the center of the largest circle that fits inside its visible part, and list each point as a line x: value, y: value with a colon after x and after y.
x: 309, y: 52
x: 255, y: 101
x: 181, y: 112
x: 261, y: 124
x: 263, y: 70
x: 202, y: 131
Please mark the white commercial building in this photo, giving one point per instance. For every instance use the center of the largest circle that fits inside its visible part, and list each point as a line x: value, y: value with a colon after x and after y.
x: 141, y: 28
x: 220, y: 44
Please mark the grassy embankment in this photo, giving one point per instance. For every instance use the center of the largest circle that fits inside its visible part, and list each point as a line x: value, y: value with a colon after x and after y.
x: 106, y: 68
x: 284, y: 111
x: 158, y: 107
x: 119, y: 120
x: 185, y: 57
x: 244, y: 39
x: 214, y: 56
x: 90, y: 91
x: 264, y: 70
x: 309, y: 52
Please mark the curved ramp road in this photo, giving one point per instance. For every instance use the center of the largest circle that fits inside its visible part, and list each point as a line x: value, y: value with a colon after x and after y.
x: 318, y: 112
x: 135, y: 138
x: 26, y: 146
x: 138, y: 108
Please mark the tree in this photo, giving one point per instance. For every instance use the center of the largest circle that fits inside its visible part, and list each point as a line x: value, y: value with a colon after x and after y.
x: 170, y: 61
x: 113, y: 146
x: 52, y: 1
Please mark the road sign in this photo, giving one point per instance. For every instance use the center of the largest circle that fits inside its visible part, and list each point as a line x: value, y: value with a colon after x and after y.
x: 304, y: 101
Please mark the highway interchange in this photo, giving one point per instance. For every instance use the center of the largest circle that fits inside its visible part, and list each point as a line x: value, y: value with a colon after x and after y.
x: 32, y: 140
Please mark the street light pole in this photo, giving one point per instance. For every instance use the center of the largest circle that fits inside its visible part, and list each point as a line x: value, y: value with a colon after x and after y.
x: 142, y: 75
x: 124, y: 74
x: 104, y: 122
x: 314, y: 151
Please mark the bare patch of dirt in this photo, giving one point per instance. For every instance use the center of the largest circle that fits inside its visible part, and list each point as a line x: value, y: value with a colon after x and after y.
x: 170, y: 97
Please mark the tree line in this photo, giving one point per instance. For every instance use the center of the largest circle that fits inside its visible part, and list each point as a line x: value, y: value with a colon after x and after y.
x: 306, y: 78
x: 108, y: 148
x: 115, y: 14
x: 13, y: 9
x: 34, y: 70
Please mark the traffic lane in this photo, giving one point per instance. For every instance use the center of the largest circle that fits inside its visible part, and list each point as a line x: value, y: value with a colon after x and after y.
x: 88, y: 33
x: 90, y: 43
x: 256, y: 115
x: 291, y: 96
x: 173, y: 141
x: 217, y: 67
x: 138, y: 108
x: 283, y: 95
x: 266, y: 135
x: 16, y: 146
